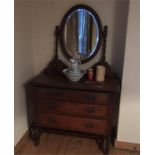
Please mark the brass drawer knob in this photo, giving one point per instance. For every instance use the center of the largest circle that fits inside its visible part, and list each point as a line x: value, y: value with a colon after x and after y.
x: 51, y: 120
x: 88, y: 125
x: 51, y: 106
x: 89, y: 109
x: 90, y: 98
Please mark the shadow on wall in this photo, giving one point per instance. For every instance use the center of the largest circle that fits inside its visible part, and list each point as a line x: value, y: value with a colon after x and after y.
x: 119, y: 38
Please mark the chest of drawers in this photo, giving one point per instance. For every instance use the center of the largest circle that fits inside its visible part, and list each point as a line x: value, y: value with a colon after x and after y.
x: 79, y: 108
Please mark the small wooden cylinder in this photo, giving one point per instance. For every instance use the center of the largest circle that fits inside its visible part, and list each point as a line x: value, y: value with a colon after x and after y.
x: 100, y: 73
x: 90, y: 73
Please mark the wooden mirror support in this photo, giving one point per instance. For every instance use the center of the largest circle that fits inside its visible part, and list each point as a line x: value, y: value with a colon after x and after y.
x: 56, y: 65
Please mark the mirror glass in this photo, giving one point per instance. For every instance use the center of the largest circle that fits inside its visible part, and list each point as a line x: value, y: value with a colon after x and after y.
x: 81, y: 34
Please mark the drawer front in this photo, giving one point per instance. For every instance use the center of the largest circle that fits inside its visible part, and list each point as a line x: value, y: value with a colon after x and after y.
x: 75, y: 109
x: 74, y: 96
x: 73, y: 123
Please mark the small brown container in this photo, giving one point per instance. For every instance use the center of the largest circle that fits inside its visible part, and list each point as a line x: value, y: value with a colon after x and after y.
x: 90, y: 74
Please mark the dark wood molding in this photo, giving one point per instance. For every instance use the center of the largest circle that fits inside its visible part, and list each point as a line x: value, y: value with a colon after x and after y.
x: 127, y: 145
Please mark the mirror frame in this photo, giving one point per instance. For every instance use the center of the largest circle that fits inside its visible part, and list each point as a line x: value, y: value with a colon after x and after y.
x: 62, y: 25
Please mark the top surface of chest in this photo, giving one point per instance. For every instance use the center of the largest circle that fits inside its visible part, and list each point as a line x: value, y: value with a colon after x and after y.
x: 61, y: 82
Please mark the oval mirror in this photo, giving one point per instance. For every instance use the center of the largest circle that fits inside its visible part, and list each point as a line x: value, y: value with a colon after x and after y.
x: 80, y: 33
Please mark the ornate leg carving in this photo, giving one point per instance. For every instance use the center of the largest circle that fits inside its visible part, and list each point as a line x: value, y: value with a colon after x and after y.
x: 103, y: 143
x: 35, y: 133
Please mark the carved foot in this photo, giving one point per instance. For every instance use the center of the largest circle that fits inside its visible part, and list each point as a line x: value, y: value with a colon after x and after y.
x: 35, y: 133
x: 106, y: 146
x: 103, y: 144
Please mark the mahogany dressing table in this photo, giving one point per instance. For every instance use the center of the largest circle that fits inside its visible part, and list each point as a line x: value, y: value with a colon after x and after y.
x: 55, y: 104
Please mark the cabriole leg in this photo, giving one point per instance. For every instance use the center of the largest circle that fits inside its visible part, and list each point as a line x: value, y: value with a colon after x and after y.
x: 103, y: 143
x: 35, y: 133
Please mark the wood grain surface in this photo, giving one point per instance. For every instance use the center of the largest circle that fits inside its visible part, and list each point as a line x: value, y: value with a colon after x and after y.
x: 56, y: 144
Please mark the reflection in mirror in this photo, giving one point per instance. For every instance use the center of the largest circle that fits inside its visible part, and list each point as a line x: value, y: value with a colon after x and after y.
x: 81, y: 34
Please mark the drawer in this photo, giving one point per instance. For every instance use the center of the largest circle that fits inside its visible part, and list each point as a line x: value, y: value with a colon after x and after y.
x: 74, y: 109
x: 74, y: 96
x: 73, y: 123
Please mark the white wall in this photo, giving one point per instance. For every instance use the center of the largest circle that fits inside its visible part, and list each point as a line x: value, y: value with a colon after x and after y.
x: 23, y: 65
x: 129, y: 115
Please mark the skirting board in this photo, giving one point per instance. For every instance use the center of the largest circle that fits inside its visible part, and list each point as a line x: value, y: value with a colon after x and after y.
x: 127, y: 145
x: 24, y: 137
